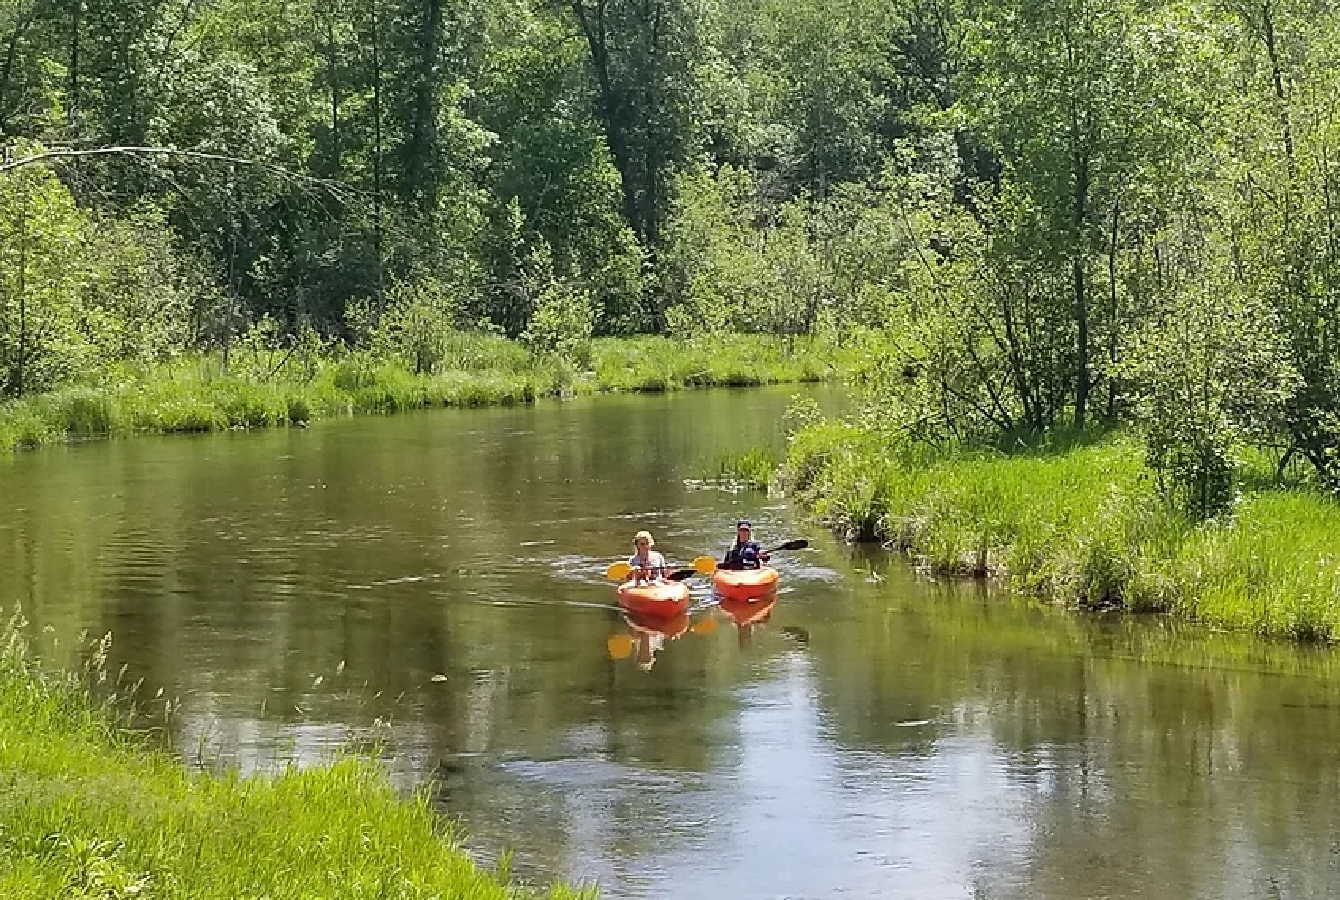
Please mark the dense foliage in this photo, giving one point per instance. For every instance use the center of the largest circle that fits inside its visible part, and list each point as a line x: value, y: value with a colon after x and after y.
x: 1057, y: 212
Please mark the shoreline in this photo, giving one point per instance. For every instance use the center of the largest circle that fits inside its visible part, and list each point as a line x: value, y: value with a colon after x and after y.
x: 91, y: 808
x: 1082, y: 526
x: 194, y: 395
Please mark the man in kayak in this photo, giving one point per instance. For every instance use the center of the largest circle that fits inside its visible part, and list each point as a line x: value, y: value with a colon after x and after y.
x: 648, y: 564
x: 745, y: 553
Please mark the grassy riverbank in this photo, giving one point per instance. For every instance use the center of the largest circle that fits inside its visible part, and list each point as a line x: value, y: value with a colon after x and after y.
x: 198, y: 394
x: 87, y: 811
x: 1082, y: 524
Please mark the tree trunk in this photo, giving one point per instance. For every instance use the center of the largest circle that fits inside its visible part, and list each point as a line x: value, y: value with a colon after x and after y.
x: 1112, y: 313
x: 76, y: 26
x: 1081, y: 207
x: 422, y: 151
x: 1277, y: 78
x: 20, y: 372
x: 377, y: 237
x: 333, y: 73
x: 610, y: 105
x: 7, y: 74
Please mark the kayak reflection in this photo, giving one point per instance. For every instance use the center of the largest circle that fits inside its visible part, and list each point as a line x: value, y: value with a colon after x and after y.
x: 646, y: 637
x: 748, y: 614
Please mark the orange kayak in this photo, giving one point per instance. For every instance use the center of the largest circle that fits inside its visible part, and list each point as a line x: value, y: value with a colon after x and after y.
x: 745, y: 584
x: 659, y: 600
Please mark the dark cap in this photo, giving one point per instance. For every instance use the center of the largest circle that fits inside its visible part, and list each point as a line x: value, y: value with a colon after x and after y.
x: 744, y: 523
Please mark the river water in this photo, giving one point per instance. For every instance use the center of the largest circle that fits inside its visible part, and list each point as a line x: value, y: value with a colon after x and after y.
x: 428, y: 586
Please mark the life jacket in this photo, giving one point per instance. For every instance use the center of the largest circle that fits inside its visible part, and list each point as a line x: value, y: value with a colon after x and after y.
x: 743, y: 556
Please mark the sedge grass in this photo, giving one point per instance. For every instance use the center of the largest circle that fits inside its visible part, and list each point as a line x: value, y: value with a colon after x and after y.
x: 197, y: 394
x: 752, y: 469
x: 86, y: 810
x: 1082, y: 523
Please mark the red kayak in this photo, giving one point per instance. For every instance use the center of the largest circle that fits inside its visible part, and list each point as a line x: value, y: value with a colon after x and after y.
x: 660, y: 600
x: 745, y: 584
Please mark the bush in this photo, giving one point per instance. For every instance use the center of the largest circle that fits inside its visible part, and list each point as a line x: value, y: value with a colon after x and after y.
x: 83, y: 412
x: 562, y: 324
x: 1210, y: 374
x: 417, y: 324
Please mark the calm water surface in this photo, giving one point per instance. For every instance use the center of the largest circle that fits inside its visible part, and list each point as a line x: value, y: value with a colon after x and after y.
x: 431, y: 583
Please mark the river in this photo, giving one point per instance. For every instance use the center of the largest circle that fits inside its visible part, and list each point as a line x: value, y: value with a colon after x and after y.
x: 428, y: 587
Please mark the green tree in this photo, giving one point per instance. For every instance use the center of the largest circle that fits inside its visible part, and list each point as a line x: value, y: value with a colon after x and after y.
x: 641, y: 56
x: 41, y: 237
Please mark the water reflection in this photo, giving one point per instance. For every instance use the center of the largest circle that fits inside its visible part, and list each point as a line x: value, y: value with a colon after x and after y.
x: 429, y: 584
x: 748, y: 615
x: 646, y: 636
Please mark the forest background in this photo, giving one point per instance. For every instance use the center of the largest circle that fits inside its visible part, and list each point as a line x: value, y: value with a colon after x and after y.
x: 1018, y: 218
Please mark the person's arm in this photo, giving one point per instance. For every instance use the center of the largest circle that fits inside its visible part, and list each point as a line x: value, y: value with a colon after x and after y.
x: 641, y: 571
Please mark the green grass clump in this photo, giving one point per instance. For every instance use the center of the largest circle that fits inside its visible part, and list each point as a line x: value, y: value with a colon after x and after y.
x: 23, y: 424
x: 753, y: 468
x: 87, y: 811
x: 83, y: 412
x: 1070, y: 525
x: 655, y: 363
x: 1274, y: 567
x: 202, y: 394
x: 1081, y: 523
x: 482, y: 388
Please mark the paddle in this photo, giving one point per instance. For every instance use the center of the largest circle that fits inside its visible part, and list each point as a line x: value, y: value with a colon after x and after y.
x: 620, y: 646
x: 703, y: 565
x: 706, y: 565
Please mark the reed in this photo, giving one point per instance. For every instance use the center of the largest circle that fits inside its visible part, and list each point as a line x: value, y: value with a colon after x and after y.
x: 199, y: 394
x: 89, y: 811
x: 1081, y: 523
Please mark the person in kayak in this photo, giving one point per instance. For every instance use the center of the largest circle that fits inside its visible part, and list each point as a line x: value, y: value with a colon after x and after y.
x: 648, y: 564
x: 745, y: 553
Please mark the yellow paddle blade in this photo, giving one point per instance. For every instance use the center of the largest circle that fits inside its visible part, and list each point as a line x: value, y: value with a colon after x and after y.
x: 706, y: 626
x: 620, y: 646
x: 619, y: 571
x: 705, y: 565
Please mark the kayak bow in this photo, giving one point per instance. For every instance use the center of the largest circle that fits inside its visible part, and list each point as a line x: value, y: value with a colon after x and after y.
x: 745, y: 584
x: 660, y: 600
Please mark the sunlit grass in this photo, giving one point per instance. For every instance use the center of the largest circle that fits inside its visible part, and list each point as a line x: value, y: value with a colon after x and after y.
x: 739, y: 360
x: 1082, y: 524
x: 198, y: 394
x: 751, y: 469
x: 87, y: 811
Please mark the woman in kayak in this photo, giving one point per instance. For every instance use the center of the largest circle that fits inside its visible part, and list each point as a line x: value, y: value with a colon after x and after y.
x: 648, y: 564
x: 745, y: 553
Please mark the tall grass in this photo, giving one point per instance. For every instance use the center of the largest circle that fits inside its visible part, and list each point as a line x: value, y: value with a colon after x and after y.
x: 751, y: 469
x: 1082, y: 523
x: 86, y: 811
x: 197, y: 394
x: 739, y: 360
